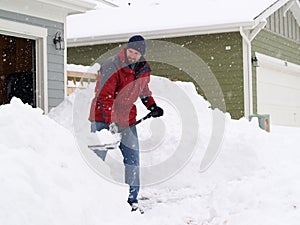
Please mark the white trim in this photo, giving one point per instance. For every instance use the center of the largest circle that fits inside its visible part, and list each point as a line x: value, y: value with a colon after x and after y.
x: 273, y: 8
x: 42, y: 81
x: 295, y: 9
x: 108, y: 3
x: 287, y: 7
x: 39, y: 34
x: 74, y: 6
x: 35, y: 9
x: 65, y: 64
x: 248, y: 36
x: 21, y: 30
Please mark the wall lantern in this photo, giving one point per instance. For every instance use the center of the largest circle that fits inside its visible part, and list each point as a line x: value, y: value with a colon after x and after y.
x: 254, y: 61
x: 59, y: 41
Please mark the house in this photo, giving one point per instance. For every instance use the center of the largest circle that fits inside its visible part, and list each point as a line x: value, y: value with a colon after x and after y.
x: 32, y: 66
x: 247, y: 52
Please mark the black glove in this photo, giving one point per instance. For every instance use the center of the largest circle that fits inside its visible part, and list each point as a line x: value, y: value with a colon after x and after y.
x: 114, y: 128
x: 156, y: 111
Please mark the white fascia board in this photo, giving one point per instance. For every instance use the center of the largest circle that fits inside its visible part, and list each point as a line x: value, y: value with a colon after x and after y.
x: 169, y: 33
x: 72, y: 7
x: 108, y: 3
x: 53, y: 10
x: 273, y: 8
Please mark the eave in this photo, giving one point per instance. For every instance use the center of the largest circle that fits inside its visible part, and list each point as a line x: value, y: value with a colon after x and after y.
x: 55, y: 10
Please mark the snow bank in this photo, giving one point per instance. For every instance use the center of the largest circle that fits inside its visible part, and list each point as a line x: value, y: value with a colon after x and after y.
x: 44, y: 179
x: 47, y: 179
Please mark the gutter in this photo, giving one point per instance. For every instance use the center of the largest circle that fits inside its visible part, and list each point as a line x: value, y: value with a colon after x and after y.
x: 248, y: 35
x: 155, y: 34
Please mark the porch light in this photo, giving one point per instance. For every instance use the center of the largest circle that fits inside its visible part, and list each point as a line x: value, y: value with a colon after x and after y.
x: 254, y: 61
x: 59, y: 41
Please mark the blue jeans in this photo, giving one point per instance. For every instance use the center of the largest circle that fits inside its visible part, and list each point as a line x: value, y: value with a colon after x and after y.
x: 129, y: 147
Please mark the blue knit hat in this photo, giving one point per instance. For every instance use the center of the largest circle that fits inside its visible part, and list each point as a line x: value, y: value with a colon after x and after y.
x: 137, y: 42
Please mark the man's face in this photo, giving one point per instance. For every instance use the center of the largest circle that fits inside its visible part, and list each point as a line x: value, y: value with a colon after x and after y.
x: 133, y: 55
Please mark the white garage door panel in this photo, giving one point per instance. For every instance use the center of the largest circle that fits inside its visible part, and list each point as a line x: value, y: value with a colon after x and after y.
x: 277, y: 88
x: 278, y: 91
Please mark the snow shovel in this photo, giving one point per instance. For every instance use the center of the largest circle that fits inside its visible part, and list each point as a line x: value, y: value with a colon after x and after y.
x: 111, y: 146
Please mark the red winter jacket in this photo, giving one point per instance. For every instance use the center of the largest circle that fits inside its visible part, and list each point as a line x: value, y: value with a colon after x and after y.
x: 117, y: 89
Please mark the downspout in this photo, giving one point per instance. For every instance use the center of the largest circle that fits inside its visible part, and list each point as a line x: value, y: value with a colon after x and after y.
x: 248, y: 36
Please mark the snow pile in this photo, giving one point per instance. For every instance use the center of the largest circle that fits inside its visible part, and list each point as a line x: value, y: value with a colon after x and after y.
x: 45, y: 179
x: 84, y: 69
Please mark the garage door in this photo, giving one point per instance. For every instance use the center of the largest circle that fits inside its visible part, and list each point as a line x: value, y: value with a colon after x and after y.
x: 278, y: 90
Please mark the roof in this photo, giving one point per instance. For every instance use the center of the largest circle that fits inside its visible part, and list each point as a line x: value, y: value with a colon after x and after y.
x: 166, y: 18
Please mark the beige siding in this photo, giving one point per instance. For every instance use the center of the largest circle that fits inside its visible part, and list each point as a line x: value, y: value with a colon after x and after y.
x: 284, y: 24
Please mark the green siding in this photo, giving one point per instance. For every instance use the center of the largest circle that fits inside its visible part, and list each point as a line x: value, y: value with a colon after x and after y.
x: 226, y: 65
x: 277, y: 46
x: 221, y: 53
x: 88, y: 55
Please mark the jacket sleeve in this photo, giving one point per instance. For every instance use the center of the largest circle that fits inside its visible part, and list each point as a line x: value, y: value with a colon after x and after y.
x: 146, y: 94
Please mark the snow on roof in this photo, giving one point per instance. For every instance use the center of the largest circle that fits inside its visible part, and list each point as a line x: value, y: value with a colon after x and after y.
x: 150, y: 15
